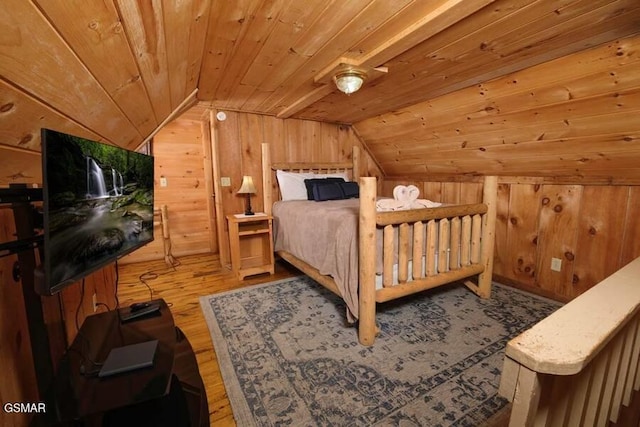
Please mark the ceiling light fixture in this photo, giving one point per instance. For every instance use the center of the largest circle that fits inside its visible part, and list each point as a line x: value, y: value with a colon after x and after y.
x: 350, y: 80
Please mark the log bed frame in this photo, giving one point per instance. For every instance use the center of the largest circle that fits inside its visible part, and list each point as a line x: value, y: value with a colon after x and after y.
x: 471, y: 227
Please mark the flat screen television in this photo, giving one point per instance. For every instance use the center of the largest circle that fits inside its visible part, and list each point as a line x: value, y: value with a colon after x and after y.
x: 98, y: 206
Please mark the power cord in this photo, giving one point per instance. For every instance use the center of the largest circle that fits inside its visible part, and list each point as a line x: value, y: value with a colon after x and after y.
x: 85, y: 345
x: 116, y: 285
x: 151, y: 275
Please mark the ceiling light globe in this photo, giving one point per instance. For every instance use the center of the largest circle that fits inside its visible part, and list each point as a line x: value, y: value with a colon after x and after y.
x: 349, y: 82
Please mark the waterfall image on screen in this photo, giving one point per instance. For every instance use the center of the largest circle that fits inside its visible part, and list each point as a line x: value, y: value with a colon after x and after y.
x: 98, y: 205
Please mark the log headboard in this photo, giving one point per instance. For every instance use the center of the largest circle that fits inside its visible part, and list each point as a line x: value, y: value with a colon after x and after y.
x: 268, y: 171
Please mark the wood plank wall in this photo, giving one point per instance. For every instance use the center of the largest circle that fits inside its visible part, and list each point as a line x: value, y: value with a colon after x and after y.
x: 238, y: 142
x: 18, y: 379
x: 18, y: 382
x: 594, y: 230
x: 180, y: 159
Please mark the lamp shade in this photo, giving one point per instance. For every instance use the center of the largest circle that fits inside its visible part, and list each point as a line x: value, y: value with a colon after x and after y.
x: 247, y: 186
x: 349, y: 81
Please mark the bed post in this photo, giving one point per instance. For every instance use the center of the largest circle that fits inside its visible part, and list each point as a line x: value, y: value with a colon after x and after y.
x: 489, y: 198
x: 367, y: 264
x: 267, y: 188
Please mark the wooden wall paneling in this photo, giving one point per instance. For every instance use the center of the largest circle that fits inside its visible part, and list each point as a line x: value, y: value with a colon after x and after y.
x: 574, y: 119
x: 179, y: 158
x: 22, y: 116
x: 177, y: 17
x: 451, y: 193
x: 96, y: 36
x: 330, y: 147
x: 274, y: 135
x: 631, y: 238
x: 294, y: 139
x: 387, y: 187
x: 557, y: 237
x: 470, y: 192
x: 197, y: 36
x: 502, y: 256
x: 355, y: 21
x: 77, y: 298
x: 230, y: 159
x: 433, y: 191
x: 257, y: 22
x: 18, y: 381
x: 518, y: 57
x: 604, y: 70
x: 144, y: 24
x: 552, y: 119
x: 313, y: 140
x: 44, y: 65
x: 221, y: 42
x: 525, y: 202
x: 19, y: 166
x: 265, y: 71
x: 601, y: 225
x: 250, y: 128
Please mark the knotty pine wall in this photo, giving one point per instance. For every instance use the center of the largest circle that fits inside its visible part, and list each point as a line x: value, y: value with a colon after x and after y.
x: 593, y: 229
x: 238, y: 141
x: 18, y: 381
x: 180, y: 157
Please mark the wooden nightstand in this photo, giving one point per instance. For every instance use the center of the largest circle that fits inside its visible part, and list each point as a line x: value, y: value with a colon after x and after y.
x: 251, y: 242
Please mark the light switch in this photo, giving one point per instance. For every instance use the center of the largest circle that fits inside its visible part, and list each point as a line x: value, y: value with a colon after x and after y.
x: 556, y: 264
x: 163, y: 181
x: 225, y: 181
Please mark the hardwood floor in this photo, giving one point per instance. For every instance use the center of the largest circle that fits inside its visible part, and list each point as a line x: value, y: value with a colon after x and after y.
x: 181, y: 288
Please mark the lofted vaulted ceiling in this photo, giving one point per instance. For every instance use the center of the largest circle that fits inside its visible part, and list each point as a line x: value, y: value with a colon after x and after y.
x: 116, y: 70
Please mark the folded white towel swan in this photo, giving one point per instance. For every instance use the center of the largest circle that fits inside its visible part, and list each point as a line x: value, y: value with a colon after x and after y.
x: 405, y: 197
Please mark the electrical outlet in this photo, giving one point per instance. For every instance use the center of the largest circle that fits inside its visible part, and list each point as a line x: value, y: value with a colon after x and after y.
x: 556, y: 264
x: 225, y: 181
x: 95, y: 302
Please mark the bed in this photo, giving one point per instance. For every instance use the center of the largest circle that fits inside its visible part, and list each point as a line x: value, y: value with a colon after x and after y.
x: 388, y: 255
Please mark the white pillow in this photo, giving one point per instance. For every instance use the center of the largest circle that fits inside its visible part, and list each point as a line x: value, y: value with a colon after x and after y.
x: 292, y: 184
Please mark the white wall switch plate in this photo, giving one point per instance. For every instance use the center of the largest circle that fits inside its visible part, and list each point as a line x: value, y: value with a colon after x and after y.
x: 225, y: 181
x: 556, y: 264
x: 163, y: 181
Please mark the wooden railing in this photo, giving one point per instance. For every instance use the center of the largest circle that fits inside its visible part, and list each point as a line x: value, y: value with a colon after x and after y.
x: 581, y: 365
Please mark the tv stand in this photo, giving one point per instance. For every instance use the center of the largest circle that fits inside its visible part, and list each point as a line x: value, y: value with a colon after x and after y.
x: 169, y: 393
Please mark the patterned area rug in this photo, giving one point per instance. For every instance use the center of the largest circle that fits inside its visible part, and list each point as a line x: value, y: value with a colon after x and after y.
x: 288, y: 357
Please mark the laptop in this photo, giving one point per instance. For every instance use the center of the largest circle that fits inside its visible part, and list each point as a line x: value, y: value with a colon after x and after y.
x: 129, y: 358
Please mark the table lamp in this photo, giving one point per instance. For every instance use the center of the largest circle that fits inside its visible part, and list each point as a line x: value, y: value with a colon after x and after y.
x: 247, y: 188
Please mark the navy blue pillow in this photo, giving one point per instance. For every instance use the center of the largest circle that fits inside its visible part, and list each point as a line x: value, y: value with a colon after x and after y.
x: 330, y: 190
x: 310, y: 182
x: 350, y: 189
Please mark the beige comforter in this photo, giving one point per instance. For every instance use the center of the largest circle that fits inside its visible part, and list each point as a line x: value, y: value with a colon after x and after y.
x: 324, y: 235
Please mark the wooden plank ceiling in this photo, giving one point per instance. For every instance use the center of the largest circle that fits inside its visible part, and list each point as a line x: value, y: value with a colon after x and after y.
x: 115, y: 70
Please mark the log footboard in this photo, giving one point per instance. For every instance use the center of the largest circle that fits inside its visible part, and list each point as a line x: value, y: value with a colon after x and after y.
x: 432, y: 247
